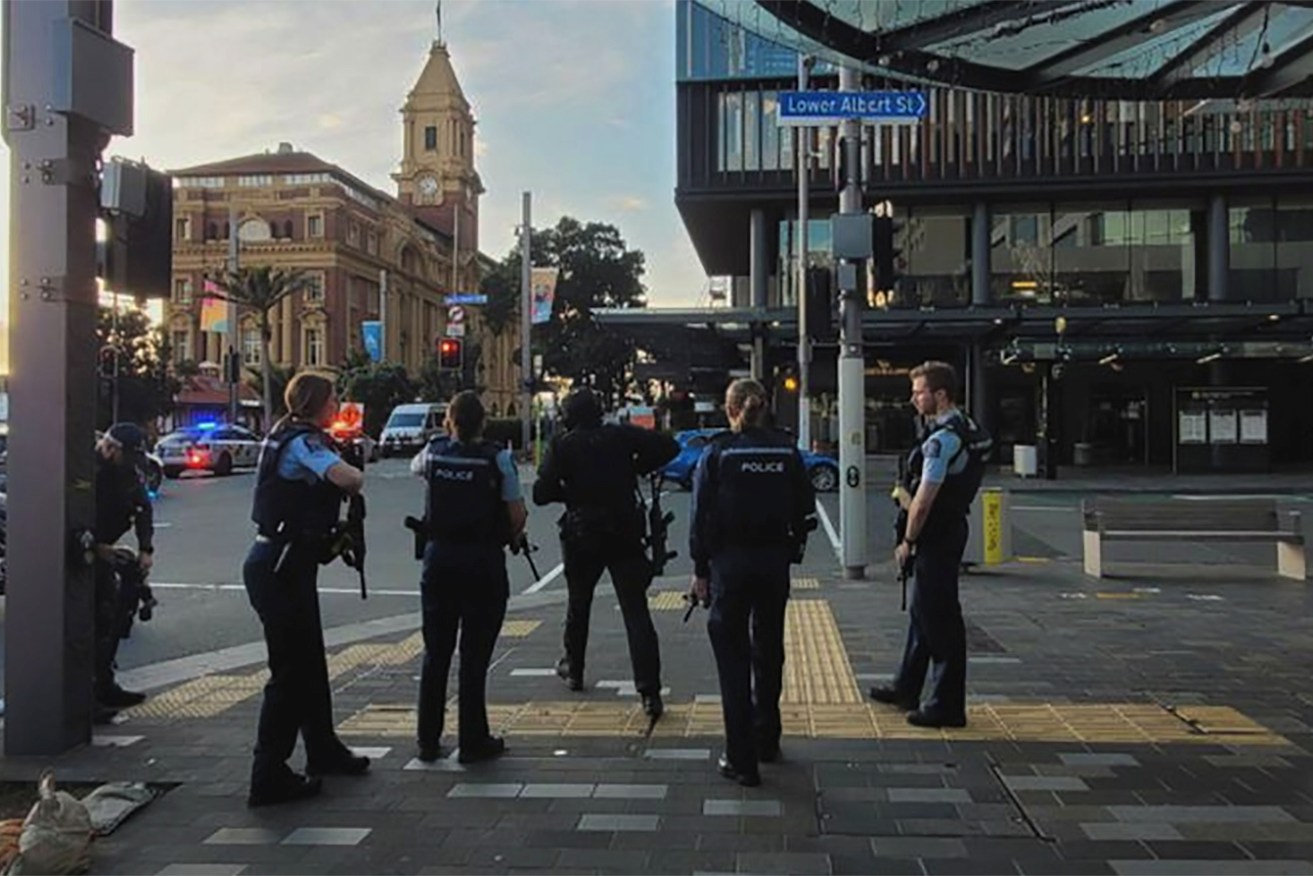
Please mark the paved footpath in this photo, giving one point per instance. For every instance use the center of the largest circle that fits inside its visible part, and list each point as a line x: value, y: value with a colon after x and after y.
x: 1134, y: 725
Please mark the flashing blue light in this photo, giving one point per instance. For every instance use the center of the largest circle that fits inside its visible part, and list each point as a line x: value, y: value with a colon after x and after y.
x: 207, y: 426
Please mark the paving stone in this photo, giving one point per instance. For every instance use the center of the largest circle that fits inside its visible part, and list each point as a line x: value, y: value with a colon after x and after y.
x: 631, y: 792
x: 532, y: 790
x: 491, y: 790
x: 326, y: 836
x: 611, y: 821
x: 1098, y: 759
x: 678, y: 754
x: 1212, y: 868
x: 1046, y: 783
x: 741, y: 807
x: 918, y: 847
x: 783, y: 862
x: 1212, y: 814
x: 929, y: 795
x: 1139, y: 830
x: 248, y: 836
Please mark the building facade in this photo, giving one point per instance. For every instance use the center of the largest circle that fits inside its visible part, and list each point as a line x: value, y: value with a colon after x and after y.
x: 370, y: 255
x: 1106, y: 274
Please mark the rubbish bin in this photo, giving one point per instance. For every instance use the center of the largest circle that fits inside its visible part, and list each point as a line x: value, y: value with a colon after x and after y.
x: 989, y: 541
x: 1082, y: 454
x: 1025, y: 460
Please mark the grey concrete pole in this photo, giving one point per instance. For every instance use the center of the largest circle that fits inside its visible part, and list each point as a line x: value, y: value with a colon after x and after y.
x: 52, y: 386
x: 1219, y: 249
x: 230, y: 336
x: 852, y: 372
x: 526, y: 322
x: 802, y: 148
x: 980, y: 404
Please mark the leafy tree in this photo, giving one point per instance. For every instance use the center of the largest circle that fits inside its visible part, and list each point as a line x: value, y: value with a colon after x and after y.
x: 597, y: 270
x: 261, y: 289
x: 379, y: 386
x: 145, y: 387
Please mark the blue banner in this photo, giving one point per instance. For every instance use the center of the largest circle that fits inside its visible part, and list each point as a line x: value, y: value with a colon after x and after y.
x: 817, y: 107
x: 372, y: 334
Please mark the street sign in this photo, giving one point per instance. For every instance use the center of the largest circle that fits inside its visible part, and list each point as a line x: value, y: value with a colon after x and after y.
x: 456, y: 314
x: 455, y: 329
x: 798, y: 108
x: 466, y: 298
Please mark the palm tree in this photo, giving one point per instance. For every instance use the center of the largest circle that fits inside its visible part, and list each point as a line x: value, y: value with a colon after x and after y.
x: 261, y: 289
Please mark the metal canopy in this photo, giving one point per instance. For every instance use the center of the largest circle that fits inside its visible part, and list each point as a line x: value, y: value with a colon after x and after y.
x: 1121, y: 49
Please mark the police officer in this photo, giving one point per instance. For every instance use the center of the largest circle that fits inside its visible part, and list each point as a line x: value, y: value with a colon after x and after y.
x: 593, y: 468
x: 474, y: 509
x: 753, y: 506
x: 942, y: 477
x: 121, y: 504
x: 301, y: 482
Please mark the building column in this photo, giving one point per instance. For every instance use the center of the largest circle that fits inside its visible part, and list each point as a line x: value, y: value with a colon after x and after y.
x: 759, y: 265
x: 1219, y: 249
x: 980, y: 403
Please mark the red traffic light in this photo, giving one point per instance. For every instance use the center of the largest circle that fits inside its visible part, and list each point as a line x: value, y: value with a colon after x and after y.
x: 450, y: 353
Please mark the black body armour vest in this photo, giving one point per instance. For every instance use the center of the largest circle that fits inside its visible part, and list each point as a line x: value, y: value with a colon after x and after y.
x: 286, y: 509
x: 754, y: 475
x: 464, y: 503
x: 953, y: 502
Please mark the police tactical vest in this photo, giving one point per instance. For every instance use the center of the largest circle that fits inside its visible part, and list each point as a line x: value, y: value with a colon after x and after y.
x: 754, y: 473
x: 286, y: 509
x: 464, y: 504
x: 953, y: 501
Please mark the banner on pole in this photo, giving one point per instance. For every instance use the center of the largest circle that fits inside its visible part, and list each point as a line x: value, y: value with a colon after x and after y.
x: 214, y: 315
x: 542, y: 285
x: 371, y: 332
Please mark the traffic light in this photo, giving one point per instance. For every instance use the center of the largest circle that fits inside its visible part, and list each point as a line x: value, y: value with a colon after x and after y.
x: 450, y: 354
x: 108, y: 362
x: 888, y: 257
x: 820, y: 304
x: 790, y: 382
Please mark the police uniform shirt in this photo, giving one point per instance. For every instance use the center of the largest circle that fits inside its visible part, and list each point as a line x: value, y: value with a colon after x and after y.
x: 940, y: 452
x: 307, y: 460
x: 510, y: 476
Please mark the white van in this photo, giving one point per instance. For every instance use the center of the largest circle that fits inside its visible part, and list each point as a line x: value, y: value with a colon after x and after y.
x: 409, y: 427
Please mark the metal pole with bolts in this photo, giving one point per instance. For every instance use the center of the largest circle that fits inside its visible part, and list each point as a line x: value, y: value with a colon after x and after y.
x: 231, y: 369
x: 67, y: 86
x: 526, y: 325
x: 852, y: 366
x: 802, y: 145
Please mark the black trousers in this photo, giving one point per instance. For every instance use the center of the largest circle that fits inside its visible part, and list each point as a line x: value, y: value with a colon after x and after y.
x: 631, y: 574
x: 749, y: 595
x: 463, y: 588
x: 936, y: 635
x: 297, y: 697
x: 107, y: 625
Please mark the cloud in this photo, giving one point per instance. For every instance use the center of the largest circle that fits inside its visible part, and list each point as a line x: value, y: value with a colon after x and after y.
x: 329, y: 121
x: 629, y: 203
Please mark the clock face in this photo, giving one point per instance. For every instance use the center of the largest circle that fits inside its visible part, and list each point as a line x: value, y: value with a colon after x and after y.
x: 428, y: 186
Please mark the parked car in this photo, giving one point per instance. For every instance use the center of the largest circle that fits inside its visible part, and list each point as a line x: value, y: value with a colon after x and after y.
x: 409, y: 427
x: 824, y: 470
x: 213, y: 447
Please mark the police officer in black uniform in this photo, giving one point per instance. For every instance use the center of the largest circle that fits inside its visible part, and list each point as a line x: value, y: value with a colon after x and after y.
x: 941, y: 478
x: 474, y: 509
x: 753, y: 507
x: 122, y: 503
x: 300, y: 486
x: 593, y: 468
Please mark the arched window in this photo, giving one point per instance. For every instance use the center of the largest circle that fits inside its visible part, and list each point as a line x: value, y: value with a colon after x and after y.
x: 227, y: 231
x: 287, y: 229
x: 211, y: 231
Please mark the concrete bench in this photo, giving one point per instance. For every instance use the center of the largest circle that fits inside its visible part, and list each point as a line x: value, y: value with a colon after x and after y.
x: 1227, y: 520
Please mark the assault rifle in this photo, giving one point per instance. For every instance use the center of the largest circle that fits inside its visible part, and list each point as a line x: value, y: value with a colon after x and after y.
x: 526, y: 547
x: 349, y: 538
x: 658, y: 528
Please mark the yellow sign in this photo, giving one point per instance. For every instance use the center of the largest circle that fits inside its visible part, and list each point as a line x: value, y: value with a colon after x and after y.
x: 992, y: 506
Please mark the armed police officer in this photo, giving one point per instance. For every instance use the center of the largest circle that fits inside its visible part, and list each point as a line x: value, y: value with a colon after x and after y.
x: 942, y: 477
x: 593, y: 468
x: 121, y: 504
x: 474, y: 509
x: 301, y: 483
x: 753, y: 507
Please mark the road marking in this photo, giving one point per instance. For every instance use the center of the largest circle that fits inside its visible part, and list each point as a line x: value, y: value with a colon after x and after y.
x: 829, y: 530
x: 546, y: 579
x: 1044, y: 508
x: 173, y: 585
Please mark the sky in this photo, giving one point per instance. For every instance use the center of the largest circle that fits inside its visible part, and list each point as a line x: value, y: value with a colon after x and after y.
x: 575, y: 102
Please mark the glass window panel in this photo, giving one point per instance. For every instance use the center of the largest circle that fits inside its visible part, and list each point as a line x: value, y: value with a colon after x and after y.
x: 770, y: 132
x: 1091, y: 254
x: 786, y: 147
x: 1294, y: 257
x: 1253, y: 233
x: 1021, y: 255
x: 751, y: 131
x: 1163, y: 264
x: 935, y: 250
x: 733, y: 132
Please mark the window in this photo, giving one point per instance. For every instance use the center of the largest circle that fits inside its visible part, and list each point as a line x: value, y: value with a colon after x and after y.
x: 314, y: 226
x: 250, y: 346
x: 258, y: 180
x: 302, y: 179
x: 353, y: 234
x: 182, y: 228
x: 211, y: 230
x: 314, y: 347
x: 371, y: 243
x: 287, y: 229
x: 314, y: 290
x: 181, y: 346
x: 431, y: 139
x: 201, y: 182
x: 182, y: 290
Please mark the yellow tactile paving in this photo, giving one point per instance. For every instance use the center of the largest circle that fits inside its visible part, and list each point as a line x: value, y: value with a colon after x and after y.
x: 667, y: 600
x: 518, y: 629
x: 203, y: 697
x: 805, y: 584
x: 816, y: 668
x: 1117, y: 723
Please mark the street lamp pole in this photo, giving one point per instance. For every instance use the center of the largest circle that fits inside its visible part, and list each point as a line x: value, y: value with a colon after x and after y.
x: 526, y: 323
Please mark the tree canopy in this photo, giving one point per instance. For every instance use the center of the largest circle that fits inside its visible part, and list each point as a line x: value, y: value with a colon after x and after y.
x: 145, y: 387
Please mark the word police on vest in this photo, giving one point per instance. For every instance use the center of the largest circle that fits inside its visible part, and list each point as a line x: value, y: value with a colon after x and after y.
x: 453, y: 475
x: 763, y: 467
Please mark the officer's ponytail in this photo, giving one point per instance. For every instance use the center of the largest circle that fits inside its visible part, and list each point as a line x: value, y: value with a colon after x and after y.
x: 747, y: 398
x: 306, y: 396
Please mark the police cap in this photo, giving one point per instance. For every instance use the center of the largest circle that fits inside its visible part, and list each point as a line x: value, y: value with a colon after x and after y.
x: 129, y: 436
x: 582, y: 408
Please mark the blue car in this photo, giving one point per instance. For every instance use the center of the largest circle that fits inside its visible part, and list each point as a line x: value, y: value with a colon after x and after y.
x: 824, y: 471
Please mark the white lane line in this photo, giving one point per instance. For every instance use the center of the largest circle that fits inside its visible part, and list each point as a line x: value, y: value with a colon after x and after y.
x: 829, y: 530
x: 1043, y: 508
x: 173, y: 585
x: 546, y: 579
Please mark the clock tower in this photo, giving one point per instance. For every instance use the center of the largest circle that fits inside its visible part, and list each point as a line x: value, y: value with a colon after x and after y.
x: 437, y: 178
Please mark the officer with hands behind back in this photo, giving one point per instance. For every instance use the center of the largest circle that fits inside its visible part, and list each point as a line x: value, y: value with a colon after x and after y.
x: 121, y: 504
x: 753, y: 507
x: 474, y: 509
x: 301, y: 483
x: 593, y: 468
x: 942, y: 476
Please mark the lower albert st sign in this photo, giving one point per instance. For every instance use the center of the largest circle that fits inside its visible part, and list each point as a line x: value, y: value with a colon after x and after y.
x: 832, y: 107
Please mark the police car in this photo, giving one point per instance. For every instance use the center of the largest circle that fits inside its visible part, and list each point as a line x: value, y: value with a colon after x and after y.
x: 213, y: 447
x: 823, y: 470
